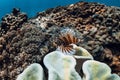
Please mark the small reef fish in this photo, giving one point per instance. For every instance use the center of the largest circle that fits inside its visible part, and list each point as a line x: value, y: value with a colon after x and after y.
x: 66, y: 38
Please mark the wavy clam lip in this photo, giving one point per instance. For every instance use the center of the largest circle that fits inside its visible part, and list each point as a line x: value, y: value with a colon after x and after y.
x: 82, y: 57
x: 80, y: 60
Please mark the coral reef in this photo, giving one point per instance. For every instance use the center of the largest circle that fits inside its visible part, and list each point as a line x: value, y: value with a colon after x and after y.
x: 96, y: 25
x: 21, y: 48
x: 23, y: 41
x: 12, y: 21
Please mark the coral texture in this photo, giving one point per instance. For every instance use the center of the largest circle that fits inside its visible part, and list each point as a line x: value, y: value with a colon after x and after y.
x: 24, y: 41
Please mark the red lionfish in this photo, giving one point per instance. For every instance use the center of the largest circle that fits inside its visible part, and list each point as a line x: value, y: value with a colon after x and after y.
x: 66, y: 39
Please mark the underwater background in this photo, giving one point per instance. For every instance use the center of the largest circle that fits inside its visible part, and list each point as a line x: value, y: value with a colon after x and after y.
x: 89, y: 29
x: 31, y: 7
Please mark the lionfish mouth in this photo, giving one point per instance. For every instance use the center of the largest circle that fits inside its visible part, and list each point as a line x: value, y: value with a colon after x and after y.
x: 66, y: 38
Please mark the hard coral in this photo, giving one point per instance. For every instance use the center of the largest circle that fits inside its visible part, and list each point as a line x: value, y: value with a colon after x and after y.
x: 13, y: 21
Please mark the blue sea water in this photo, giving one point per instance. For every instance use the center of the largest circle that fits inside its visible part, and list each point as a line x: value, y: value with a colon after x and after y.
x: 31, y: 7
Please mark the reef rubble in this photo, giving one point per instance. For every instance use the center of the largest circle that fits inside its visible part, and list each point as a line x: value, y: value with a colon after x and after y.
x: 24, y: 41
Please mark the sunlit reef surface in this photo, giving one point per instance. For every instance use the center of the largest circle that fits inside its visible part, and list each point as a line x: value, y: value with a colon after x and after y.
x: 24, y: 41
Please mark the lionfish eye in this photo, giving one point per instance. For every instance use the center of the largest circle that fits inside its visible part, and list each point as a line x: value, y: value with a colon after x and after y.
x: 67, y: 37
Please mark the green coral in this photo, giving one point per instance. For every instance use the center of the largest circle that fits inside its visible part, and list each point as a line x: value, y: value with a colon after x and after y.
x: 94, y: 70
x: 61, y: 67
x: 32, y: 72
x: 67, y: 67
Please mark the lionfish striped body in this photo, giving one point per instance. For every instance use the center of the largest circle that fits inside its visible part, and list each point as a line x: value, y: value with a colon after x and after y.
x: 66, y: 38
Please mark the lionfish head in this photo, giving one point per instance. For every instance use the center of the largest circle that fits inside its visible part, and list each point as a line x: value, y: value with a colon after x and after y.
x: 65, y: 40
